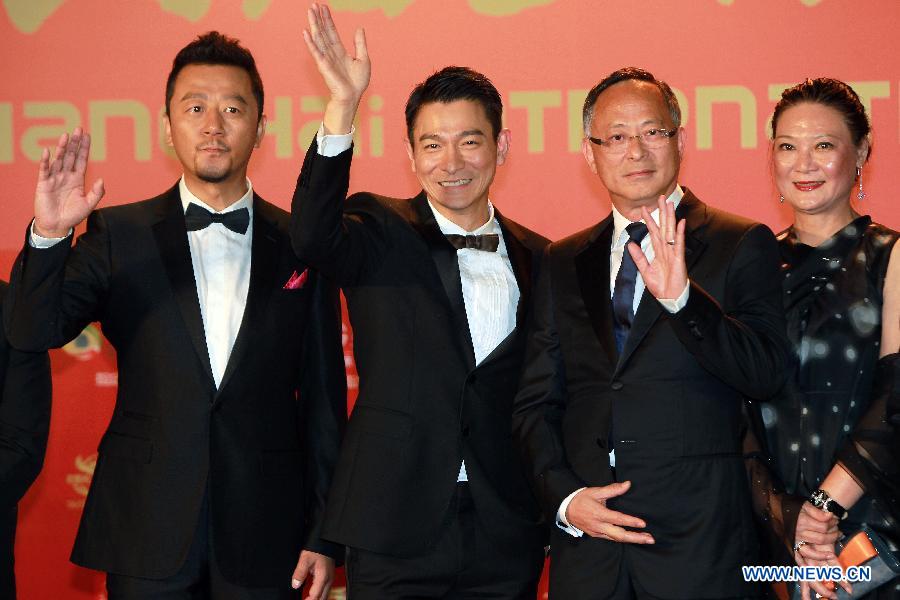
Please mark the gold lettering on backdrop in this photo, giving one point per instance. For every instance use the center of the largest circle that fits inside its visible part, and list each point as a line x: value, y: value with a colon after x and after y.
x: 683, y: 105
x: 391, y: 8
x: 280, y: 125
x: 99, y: 111
x: 81, y: 480
x: 254, y: 9
x: 376, y: 127
x: 192, y: 10
x: 575, y: 103
x: 28, y: 15
x: 803, y: 2
x: 502, y: 8
x: 870, y: 90
x: 866, y: 90
x: 6, y: 133
x: 311, y: 104
x: 37, y: 137
x: 534, y: 104
x: 290, y: 132
x: 719, y: 94
x: 162, y: 144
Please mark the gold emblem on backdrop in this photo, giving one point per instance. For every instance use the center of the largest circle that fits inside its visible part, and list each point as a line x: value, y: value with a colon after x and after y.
x: 80, y: 481
x: 28, y: 16
x: 87, y: 345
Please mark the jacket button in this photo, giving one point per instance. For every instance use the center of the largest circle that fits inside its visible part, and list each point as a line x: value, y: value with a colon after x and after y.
x: 617, y: 385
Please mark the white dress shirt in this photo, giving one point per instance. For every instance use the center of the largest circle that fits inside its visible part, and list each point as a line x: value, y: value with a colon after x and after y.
x: 617, y: 251
x: 221, y: 262
x: 489, y: 287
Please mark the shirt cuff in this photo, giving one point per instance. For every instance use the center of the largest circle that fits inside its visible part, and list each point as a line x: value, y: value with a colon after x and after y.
x: 332, y: 145
x: 41, y: 242
x: 561, y: 521
x: 673, y: 306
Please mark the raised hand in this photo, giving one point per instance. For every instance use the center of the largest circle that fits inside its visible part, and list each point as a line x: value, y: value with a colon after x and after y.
x: 346, y: 77
x: 60, y: 201
x: 588, y: 512
x: 666, y: 276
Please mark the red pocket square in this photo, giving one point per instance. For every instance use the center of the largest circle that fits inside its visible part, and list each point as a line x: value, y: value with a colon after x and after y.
x: 297, y: 282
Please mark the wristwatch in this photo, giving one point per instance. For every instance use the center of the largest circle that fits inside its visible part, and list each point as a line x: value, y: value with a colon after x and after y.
x: 821, y: 499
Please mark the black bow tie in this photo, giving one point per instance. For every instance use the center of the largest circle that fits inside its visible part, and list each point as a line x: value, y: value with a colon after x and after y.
x: 487, y: 242
x: 196, y: 218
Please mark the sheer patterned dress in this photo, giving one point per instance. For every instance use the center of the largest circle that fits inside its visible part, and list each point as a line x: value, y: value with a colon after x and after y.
x: 839, y: 404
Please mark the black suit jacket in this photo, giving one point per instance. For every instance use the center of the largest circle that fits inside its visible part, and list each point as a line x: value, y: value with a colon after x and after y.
x: 25, y: 391
x: 423, y: 405
x: 264, y: 456
x: 673, y: 399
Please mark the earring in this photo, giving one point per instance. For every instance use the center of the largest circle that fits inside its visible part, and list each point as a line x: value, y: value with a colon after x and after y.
x: 860, y: 195
x: 781, y: 198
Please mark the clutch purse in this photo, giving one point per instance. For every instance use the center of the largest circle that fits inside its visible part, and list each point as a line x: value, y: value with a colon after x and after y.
x: 865, y: 548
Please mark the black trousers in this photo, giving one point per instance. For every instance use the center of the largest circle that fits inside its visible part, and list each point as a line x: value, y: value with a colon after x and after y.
x: 198, y: 579
x: 463, y: 564
x: 629, y: 589
x: 7, y: 563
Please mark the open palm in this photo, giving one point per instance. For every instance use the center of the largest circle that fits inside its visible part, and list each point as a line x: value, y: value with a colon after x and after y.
x: 345, y: 76
x: 60, y: 199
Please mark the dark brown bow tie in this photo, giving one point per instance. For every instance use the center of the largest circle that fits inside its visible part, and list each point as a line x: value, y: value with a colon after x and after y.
x: 489, y: 242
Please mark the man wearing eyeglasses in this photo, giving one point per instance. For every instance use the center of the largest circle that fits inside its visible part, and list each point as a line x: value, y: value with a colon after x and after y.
x: 648, y: 330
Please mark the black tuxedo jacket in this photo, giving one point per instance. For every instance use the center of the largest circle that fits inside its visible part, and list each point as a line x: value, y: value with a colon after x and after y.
x: 423, y: 405
x: 24, y: 423
x: 264, y: 456
x: 673, y: 399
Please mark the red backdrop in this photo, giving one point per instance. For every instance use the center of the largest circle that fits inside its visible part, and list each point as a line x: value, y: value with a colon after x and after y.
x: 103, y: 65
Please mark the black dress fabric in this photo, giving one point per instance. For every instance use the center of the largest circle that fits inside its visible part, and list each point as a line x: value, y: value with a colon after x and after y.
x: 832, y: 409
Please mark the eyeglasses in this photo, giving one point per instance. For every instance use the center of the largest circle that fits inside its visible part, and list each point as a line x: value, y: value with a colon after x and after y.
x: 652, y: 137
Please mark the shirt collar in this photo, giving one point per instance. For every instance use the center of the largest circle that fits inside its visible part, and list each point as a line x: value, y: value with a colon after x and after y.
x: 620, y: 222
x: 447, y: 226
x: 187, y: 197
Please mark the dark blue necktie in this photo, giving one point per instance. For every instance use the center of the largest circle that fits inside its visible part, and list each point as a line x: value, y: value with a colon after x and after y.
x: 623, y: 293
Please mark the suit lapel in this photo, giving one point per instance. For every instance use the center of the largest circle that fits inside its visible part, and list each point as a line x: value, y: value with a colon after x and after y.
x: 447, y: 265
x: 175, y: 253
x: 592, y: 270
x: 649, y: 309
x: 263, y: 265
x: 521, y: 260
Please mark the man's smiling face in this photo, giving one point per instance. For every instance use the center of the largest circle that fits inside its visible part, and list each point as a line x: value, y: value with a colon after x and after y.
x: 454, y: 155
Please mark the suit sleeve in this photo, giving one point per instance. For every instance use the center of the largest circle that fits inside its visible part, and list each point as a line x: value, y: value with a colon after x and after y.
x: 343, y: 243
x: 323, y: 392
x: 25, y: 391
x: 55, y: 292
x: 540, y: 403
x: 743, y: 340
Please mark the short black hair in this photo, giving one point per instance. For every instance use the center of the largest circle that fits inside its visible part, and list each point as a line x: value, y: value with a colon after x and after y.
x: 451, y: 84
x: 832, y: 93
x: 627, y: 74
x: 214, y: 48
